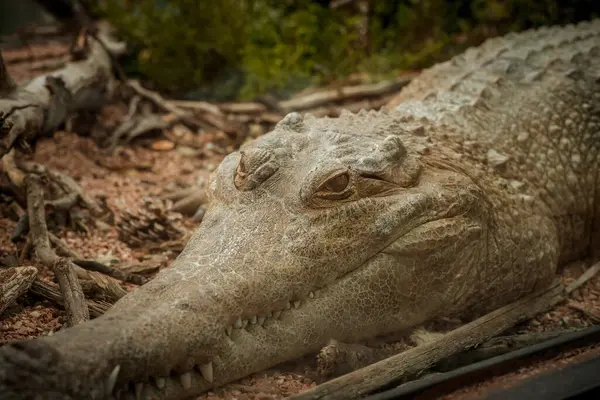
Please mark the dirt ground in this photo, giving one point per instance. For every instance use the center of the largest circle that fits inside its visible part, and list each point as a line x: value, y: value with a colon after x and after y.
x: 155, y: 166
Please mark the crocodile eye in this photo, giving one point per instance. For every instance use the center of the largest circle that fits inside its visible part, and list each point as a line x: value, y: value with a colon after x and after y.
x: 335, y: 187
x: 336, y: 184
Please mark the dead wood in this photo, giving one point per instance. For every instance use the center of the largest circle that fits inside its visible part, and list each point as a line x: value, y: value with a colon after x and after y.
x: 586, y: 276
x: 51, y: 292
x: 201, y: 106
x: 110, y: 271
x: 63, y: 268
x: 43, y: 103
x: 591, y: 314
x: 14, y: 282
x: 98, y: 283
x: 67, y: 185
x: 155, y: 97
x: 409, y: 364
x: 243, y: 108
x: 345, y: 94
x: 189, y: 205
x: 138, y: 125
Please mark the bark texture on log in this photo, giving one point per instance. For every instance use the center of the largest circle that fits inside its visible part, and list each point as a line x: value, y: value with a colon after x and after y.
x: 15, y: 282
x: 43, y: 103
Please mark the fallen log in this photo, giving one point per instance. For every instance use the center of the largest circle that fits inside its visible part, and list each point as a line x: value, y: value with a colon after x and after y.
x: 409, y: 364
x: 42, y: 104
x: 15, y: 282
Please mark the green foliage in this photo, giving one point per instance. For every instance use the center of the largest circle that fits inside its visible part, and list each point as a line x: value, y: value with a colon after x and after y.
x: 245, y: 48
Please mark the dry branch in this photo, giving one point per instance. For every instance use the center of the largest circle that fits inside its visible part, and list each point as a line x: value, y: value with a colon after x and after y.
x: 345, y: 93
x: 99, y: 283
x: 586, y: 276
x: 51, y: 292
x: 412, y: 362
x: 14, y: 282
x: 110, y: 271
x: 63, y: 268
x: 43, y: 103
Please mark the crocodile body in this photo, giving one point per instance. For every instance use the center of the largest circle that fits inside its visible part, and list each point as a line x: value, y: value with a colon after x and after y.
x: 471, y: 193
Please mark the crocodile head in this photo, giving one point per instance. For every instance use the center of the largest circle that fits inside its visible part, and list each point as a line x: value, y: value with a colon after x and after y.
x: 340, y: 228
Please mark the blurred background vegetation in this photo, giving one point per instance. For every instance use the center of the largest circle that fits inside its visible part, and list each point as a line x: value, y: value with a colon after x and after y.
x: 226, y: 49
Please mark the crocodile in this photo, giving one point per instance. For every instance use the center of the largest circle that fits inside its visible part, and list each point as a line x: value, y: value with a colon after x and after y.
x: 470, y: 193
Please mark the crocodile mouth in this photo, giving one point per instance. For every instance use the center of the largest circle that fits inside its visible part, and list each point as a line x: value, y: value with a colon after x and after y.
x: 272, y: 332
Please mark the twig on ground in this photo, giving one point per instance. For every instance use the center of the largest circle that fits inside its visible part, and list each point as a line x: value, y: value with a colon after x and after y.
x: 14, y: 282
x: 189, y: 205
x: 586, y: 276
x: 412, y: 362
x: 68, y: 185
x: 137, y: 125
x: 64, y: 203
x: 63, y: 268
x: 157, y: 99
x: 110, y: 271
x: 591, y: 314
x: 345, y: 93
x: 51, y: 292
x: 104, y: 285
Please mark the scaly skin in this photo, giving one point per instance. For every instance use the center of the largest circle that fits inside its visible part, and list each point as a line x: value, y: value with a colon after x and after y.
x: 471, y: 194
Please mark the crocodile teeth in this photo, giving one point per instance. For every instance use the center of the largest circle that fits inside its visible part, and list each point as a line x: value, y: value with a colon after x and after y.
x: 253, y: 320
x: 311, y: 295
x: 160, y: 383
x: 112, y: 379
x: 186, y: 380
x: 139, y: 388
x: 228, y: 330
x: 207, y: 371
x: 238, y: 323
x: 276, y: 314
x: 297, y: 303
x: 288, y: 305
x: 244, y: 323
x: 261, y: 320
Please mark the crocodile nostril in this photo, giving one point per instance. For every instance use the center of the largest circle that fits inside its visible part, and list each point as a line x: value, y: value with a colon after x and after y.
x: 255, y: 167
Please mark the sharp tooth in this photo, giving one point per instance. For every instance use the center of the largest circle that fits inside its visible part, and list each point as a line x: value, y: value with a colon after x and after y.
x: 269, y: 314
x: 244, y: 323
x: 238, y: 323
x: 297, y: 303
x: 186, y: 380
x: 288, y: 305
x: 261, y: 320
x: 139, y: 387
x: 207, y: 371
x: 112, y: 379
x: 253, y: 320
x: 228, y: 330
x: 276, y: 314
x: 160, y: 383
x: 311, y: 295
